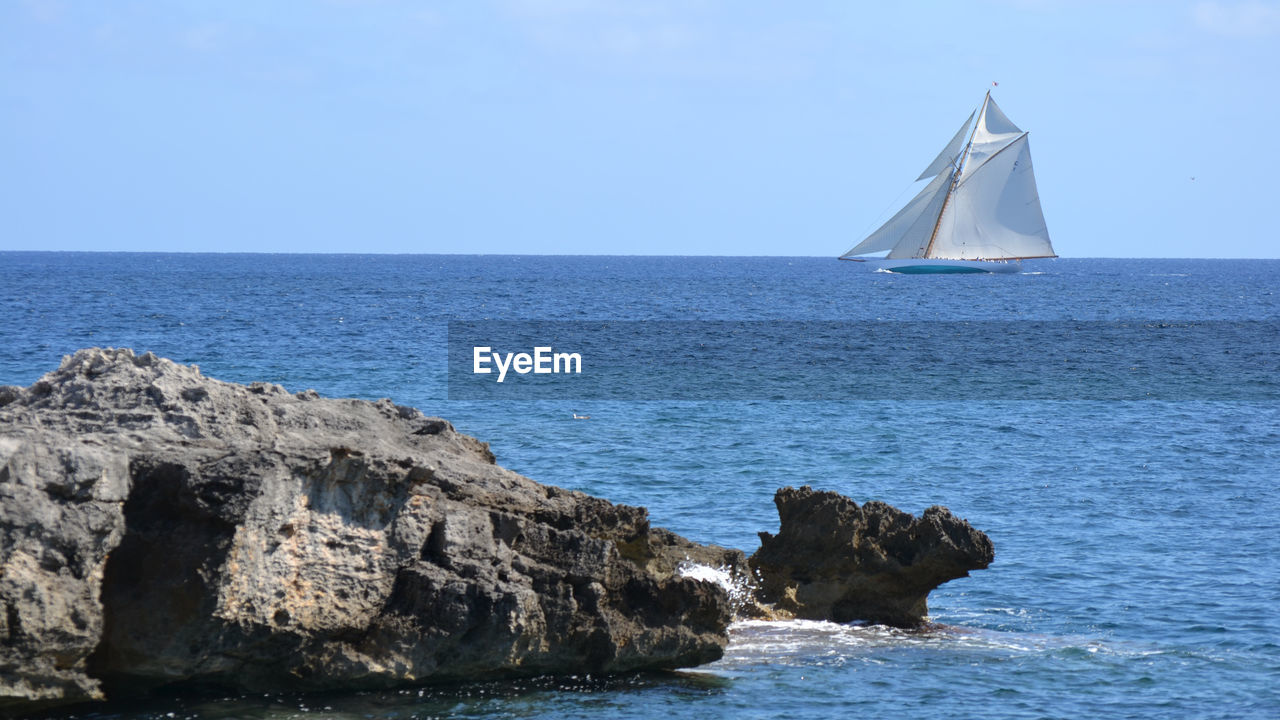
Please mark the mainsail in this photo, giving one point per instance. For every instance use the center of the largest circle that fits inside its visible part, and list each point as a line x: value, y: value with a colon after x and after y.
x: 982, y: 203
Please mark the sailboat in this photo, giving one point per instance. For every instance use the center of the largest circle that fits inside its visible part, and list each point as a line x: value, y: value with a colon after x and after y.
x: 979, y: 213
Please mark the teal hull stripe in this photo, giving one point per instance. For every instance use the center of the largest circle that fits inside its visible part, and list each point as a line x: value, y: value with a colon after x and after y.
x: 935, y: 269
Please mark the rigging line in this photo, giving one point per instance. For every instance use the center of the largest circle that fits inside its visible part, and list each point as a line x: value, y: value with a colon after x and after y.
x: 875, y: 221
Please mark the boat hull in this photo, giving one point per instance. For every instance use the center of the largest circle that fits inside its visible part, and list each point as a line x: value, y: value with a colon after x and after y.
x: 938, y: 266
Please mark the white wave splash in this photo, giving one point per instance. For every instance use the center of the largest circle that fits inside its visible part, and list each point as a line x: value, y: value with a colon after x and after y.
x: 808, y: 643
x: 737, y: 585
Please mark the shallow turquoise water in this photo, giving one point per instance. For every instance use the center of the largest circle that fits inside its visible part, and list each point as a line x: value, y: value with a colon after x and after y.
x: 1136, y: 540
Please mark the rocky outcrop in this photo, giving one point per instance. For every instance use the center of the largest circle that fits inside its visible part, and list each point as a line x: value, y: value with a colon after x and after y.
x: 834, y: 560
x: 157, y: 526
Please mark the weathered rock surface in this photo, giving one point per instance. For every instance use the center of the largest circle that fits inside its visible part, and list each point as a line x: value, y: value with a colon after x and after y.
x: 160, y: 527
x: 834, y: 560
x: 157, y: 526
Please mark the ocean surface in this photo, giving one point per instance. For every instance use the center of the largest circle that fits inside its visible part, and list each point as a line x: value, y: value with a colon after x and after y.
x: 1137, y: 531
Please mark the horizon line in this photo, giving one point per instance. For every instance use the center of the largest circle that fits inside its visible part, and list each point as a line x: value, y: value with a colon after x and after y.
x: 572, y: 255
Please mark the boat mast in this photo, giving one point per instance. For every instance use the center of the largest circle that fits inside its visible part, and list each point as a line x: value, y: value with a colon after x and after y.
x: 955, y: 177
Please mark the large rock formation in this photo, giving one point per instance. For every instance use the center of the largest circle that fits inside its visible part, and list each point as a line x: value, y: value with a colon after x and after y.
x: 157, y: 526
x: 833, y: 560
x: 160, y: 527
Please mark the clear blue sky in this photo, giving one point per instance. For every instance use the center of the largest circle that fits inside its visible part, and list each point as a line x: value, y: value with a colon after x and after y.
x: 734, y: 127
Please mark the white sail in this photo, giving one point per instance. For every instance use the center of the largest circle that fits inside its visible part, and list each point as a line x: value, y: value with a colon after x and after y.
x: 913, y: 224
x: 987, y: 209
x: 995, y: 211
x: 949, y: 153
x: 993, y: 133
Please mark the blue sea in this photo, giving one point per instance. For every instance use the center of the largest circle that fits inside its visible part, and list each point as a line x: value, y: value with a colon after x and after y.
x: 1137, y: 538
